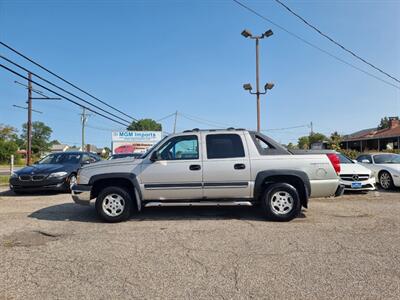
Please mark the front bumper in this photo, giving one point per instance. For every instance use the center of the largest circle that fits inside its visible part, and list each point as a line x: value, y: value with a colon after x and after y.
x: 81, y: 193
x: 366, y: 185
x: 47, y: 184
x: 339, y: 191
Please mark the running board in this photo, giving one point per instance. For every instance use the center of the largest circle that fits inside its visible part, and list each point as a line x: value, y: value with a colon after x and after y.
x: 200, y: 203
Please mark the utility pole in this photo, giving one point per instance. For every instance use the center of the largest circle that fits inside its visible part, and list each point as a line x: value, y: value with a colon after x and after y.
x: 29, y: 124
x: 311, y: 128
x: 247, y: 86
x: 30, y: 110
x: 176, y: 117
x: 84, y: 117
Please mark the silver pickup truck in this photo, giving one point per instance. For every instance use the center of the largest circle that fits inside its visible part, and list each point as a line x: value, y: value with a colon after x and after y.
x: 209, y: 167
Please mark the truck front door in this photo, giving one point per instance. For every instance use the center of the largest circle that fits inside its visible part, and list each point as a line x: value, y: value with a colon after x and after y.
x: 177, y: 171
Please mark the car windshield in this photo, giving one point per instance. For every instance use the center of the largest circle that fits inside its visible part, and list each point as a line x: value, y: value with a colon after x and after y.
x: 61, y: 158
x: 344, y: 159
x: 387, y: 159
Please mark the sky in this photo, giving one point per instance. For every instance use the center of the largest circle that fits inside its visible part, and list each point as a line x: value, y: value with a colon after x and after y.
x: 152, y: 58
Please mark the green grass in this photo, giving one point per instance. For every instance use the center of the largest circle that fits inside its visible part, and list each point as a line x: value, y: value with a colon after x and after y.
x: 4, y: 179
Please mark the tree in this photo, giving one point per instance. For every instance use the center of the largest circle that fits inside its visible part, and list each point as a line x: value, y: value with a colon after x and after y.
x: 316, y: 138
x: 40, y: 136
x: 7, y: 148
x: 291, y: 146
x: 303, y: 142
x: 385, y: 123
x: 8, y: 133
x: 336, y: 139
x: 145, y: 124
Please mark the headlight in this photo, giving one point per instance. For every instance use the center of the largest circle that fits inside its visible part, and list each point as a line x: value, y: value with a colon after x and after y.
x: 57, y: 174
x: 14, y: 175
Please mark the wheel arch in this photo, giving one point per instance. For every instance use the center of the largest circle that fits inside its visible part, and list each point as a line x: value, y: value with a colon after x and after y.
x: 296, y: 178
x: 125, y: 180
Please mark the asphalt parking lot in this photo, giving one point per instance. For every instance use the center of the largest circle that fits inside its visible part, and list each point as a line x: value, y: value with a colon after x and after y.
x: 344, y: 247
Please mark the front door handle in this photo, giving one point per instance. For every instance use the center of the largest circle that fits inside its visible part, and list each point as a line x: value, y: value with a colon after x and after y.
x: 239, y: 166
x: 194, y: 167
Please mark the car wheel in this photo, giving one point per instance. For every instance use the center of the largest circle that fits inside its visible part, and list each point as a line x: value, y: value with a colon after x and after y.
x: 71, y: 181
x: 385, y: 180
x: 281, y: 202
x: 114, y: 204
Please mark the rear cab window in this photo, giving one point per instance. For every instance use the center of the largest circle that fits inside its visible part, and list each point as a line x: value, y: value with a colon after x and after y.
x: 224, y: 146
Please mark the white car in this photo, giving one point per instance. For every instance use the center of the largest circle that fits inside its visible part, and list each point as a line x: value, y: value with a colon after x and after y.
x: 385, y: 168
x: 354, y: 176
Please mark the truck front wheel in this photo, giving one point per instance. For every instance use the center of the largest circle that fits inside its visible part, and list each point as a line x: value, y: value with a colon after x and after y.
x: 113, y: 204
x: 281, y: 202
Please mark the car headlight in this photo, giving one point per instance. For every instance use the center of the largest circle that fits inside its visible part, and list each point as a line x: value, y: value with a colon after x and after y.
x: 58, y: 174
x: 14, y: 175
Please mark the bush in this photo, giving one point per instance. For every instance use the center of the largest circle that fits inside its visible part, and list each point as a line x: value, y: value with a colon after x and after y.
x: 350, y: 153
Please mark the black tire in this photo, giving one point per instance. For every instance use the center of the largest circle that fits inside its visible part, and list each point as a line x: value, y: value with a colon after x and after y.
x: 110, y: 195
x: 386, y: 180
x: 281, y: 202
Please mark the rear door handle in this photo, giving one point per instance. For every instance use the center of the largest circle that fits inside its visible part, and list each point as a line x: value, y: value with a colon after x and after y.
x: 194, y: 167
x: 239, y: 166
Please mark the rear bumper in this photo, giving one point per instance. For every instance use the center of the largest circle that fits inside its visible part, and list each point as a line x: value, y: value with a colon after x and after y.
x: 340, y: 190
x: 81, y: 194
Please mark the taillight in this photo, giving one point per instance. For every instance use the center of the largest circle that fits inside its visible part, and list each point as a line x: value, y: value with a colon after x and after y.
x: 334, y: 161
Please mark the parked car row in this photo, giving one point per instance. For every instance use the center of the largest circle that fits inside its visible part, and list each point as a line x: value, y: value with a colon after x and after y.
x: 370, y: 169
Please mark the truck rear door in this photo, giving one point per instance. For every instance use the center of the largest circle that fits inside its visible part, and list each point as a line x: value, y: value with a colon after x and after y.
x: 226, y: 166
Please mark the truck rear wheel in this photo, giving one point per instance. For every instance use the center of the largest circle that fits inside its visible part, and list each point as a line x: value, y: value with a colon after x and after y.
x: 281, y: 202
x: 113, y: 204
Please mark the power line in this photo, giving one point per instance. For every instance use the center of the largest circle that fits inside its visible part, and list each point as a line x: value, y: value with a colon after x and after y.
x: 285, y: 128
x: 313, y: 45
x: 64, y: 97
x: 166, y: 117
x: 335, y: 42
x: 64, y: 80
x: 204, y: 121
x: 60, y: 88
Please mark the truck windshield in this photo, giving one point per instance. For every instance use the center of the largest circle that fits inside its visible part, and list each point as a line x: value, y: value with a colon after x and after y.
x: 152, y: 147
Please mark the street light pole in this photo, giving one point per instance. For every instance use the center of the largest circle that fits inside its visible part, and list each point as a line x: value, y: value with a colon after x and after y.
x: 247, y: 86
x: 258, y: 86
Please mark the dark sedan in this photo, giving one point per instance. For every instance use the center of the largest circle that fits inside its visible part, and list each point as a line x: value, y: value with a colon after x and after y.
x: 56, y: 171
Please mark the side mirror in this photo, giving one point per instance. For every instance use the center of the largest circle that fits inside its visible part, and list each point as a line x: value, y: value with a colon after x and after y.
x: 35, y: 162
x: 86, y: 162
x: 154, y: 156
x: 365, y: 161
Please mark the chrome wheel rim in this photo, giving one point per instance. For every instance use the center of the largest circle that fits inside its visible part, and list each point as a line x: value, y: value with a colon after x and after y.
x: 72, y: 180
x: 385, y: 180
x: 113, y: 205
x: 281, y: 203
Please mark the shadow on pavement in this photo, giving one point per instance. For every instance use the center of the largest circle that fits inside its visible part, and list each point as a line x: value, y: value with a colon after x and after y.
x: 74, y: 212
x: 10, y: 193
x: 66, y: 212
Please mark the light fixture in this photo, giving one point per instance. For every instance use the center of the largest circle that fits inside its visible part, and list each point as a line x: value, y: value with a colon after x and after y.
x: 247, y: 86
x: 269, y: 86
x: 268, y: 33
x: 246, y: 33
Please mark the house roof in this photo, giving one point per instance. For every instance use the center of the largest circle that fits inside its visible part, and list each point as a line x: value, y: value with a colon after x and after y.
x: 374, y: 133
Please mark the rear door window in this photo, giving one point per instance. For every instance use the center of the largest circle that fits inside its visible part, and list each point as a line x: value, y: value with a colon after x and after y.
x: 224, y: 146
